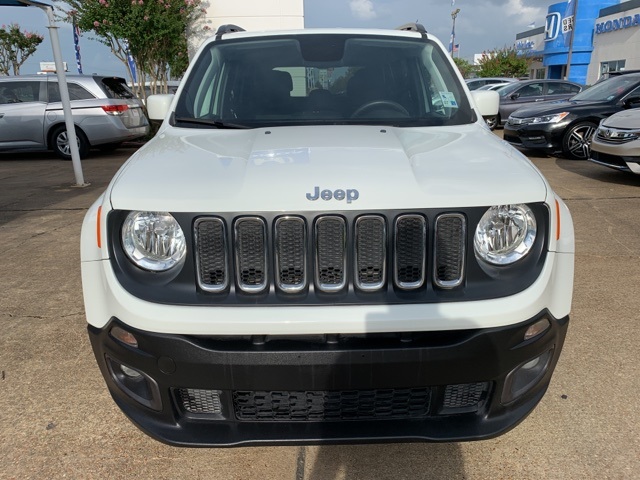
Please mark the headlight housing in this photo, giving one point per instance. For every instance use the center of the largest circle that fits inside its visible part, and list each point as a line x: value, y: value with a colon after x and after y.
x: 153, y: 241
x: 505, y: 234
x: 554, y: 118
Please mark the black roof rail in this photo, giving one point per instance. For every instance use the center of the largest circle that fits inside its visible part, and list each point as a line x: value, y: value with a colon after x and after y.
x: 413, y: 27
x: 229, y: 28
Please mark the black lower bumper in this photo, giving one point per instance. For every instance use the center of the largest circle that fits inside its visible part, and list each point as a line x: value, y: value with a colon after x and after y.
x: 420, y: 386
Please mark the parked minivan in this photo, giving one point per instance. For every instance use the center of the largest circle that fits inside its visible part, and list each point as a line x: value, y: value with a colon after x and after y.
x: 105, y: 112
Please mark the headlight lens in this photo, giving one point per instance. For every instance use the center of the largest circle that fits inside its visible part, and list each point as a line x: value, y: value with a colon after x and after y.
x: 555, y: 118
x: 505, y: 234
x: 153, y: 240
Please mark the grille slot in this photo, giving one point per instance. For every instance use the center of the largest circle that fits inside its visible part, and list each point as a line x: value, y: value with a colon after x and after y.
x: 195, y: 400
x: 212, y: 257
x: 450, y: 250
x: 303, y: 406
x: 410, y: 251
x: 251, y: 254
x: 464, y: 396
x: 371, y: 252
x: 290, y: 241
x: 331, y: 254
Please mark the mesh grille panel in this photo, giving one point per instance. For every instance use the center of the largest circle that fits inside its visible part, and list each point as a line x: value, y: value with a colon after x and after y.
x: 330, y: 253
x: 338, y: 405
x: 449, y: 250
x: 251, y: 254
x: 211, y: 254
x: 290, y: 245
x: 411, y: 243
x: 464, y: 396
x: 371, y: 252
x: 199, y: 401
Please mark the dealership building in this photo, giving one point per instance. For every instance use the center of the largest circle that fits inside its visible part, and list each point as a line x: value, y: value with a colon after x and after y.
x: 606, y: 38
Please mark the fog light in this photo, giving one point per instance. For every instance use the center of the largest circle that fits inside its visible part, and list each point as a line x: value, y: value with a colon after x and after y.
x: 136, y: 384
x: 125, y: 337
x: 521, y: 379
x: 537, y: 328
x: 130, y: 372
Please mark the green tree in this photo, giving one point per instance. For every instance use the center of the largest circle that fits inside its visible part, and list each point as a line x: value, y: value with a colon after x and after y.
x: 466, y: 68
x: 504, y: 62
x: 154, y: 32
x: 16, y: 47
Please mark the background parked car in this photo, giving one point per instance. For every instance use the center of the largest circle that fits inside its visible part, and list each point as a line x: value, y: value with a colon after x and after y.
x: 616, y: 143
x: 105, y: 113
x: 475, y: 83
x: 518, y: 95
x: 568, y: 126
x: 494, y: 86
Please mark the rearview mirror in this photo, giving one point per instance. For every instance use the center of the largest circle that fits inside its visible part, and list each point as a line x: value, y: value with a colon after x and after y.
x: 158, y: 105
x: 487, y: 101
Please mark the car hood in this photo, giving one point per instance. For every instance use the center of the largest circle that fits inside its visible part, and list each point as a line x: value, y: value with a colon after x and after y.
x: 286, y: 168
x: 625, y: 119
x: 549, y: 108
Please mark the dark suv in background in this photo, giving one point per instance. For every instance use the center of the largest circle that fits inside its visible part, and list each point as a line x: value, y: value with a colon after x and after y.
x: 568, y: 126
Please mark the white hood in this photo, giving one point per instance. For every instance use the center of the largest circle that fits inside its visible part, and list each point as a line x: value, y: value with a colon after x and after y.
x: 283, y: 168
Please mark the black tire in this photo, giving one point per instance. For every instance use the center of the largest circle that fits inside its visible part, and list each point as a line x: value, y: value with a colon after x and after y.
x: 576, y: 142
x: 493, y: 122
x: 60, y: 143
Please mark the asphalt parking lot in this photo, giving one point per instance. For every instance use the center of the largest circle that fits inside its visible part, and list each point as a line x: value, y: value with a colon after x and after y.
x: 58, y: 421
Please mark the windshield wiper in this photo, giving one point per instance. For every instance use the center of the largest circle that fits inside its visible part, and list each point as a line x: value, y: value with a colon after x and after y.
x: 206, y: 122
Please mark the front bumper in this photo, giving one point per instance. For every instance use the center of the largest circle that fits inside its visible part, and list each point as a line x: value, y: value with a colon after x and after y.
x: 545, y: 137
x: 246, y: 390
x: 625, y: 157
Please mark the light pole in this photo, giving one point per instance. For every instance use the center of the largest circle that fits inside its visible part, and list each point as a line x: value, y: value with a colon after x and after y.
x: 454, y: 14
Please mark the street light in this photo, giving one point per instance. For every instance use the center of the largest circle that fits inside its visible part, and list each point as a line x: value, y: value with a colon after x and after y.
x: 454, y: 14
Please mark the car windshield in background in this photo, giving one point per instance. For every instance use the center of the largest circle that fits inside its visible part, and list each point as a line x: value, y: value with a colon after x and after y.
x: 320, y: 79
x: 609, y: 89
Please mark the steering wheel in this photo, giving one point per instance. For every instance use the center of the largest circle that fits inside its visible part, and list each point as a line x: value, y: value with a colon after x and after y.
x: 380, y: 104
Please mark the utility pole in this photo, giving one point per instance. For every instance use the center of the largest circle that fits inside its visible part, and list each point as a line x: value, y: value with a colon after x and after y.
x: 454, y: 14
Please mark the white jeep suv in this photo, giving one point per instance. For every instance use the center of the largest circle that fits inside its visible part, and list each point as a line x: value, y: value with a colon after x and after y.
x: 325, y: 243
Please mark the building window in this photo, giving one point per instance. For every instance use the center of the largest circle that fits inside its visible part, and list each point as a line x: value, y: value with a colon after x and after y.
x: 612, y: 66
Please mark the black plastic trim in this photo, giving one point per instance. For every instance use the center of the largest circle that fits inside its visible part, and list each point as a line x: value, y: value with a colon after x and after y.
x: 330, y: 363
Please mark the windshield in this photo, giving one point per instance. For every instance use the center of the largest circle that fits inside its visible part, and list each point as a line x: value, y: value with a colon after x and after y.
x: 614, y: 87
x: 314, y: 79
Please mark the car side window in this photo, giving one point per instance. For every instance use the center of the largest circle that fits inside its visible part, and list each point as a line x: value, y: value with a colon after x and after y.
x: 19, y: 92
x: 76, y: 92
x: 531, y: 90
x: 557, y: 88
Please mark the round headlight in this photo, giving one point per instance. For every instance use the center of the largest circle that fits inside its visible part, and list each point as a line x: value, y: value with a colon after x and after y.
x: 505, y: 234
x: 153, y: 240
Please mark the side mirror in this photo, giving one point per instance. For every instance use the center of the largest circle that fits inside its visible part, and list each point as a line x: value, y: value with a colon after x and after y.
x: 158, y: 106
x: 632, y: 102
x: 487, y: 102
x: 515, y: 96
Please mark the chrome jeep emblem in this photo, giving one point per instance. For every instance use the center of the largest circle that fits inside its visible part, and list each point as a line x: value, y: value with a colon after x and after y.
x: 349, y: 195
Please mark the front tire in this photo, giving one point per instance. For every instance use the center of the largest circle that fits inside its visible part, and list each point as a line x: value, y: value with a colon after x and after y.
x: 576, y: 142
x: 60, y: 143
x: 493, y: 122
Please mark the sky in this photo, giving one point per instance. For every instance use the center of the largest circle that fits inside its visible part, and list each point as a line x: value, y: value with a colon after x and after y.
x: 481, y: 25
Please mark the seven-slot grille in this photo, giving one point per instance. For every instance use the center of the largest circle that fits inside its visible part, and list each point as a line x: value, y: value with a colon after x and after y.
x: 293, y: 246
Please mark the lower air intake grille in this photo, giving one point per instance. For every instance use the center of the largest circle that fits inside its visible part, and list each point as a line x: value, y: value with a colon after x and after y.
x: 265, y: 406
x: 199, y: 401
x: 464, y: 395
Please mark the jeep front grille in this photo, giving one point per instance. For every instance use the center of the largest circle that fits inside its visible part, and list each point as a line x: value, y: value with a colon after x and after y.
x: 371, y: 252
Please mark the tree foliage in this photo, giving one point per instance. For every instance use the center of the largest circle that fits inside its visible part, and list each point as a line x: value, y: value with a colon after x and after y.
x: 505, y: 62
x: 154, y: 32
x: 16, y: 47
x: 466, y: 68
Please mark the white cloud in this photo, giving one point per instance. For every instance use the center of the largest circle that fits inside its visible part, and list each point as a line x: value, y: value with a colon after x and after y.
x: 362, y: 9
x: 527, y: 14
